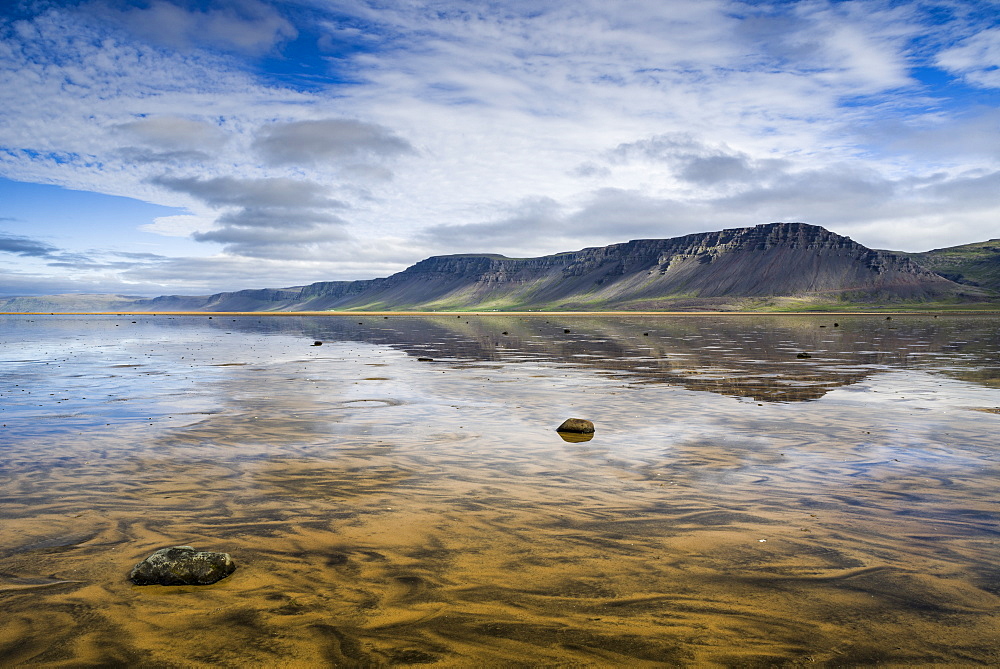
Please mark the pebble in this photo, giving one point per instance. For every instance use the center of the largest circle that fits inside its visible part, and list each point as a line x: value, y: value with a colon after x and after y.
x: 578, y: 425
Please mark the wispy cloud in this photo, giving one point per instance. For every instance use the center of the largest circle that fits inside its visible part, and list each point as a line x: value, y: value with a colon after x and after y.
x: 25, y: 246
x: 976, y: 59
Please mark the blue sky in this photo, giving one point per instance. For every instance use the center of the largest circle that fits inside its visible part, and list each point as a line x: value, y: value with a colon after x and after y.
x: 188, y: 147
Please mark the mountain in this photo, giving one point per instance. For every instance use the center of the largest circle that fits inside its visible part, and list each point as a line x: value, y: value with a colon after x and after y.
x: 96, y: 302
x: 975, y: 264
x: 772, y: 265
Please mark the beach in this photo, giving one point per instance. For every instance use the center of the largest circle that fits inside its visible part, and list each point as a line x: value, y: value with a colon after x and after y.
x: 394, y: 492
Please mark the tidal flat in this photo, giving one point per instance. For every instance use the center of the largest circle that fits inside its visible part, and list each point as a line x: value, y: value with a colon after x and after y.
x: 760, y: 491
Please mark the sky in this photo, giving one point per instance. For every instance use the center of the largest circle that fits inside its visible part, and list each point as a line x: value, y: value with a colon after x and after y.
x: 152, y: 147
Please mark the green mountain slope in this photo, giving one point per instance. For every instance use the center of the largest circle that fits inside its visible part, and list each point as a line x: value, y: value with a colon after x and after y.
x: 975, y: 264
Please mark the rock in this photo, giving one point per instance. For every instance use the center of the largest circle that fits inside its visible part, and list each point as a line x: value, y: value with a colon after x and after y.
x: 317, y: 343
x: 182, y: 565
x: 803, y: 355
x: 566, y: 330
x: 577, y: 425
x: 425, y: 359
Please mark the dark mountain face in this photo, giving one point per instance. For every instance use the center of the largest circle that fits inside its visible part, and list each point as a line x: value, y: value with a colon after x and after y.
x: 790, y: 265
x: 725, y: 269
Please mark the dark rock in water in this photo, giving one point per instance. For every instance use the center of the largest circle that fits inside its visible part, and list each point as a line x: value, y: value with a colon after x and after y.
x: 182, y: 565
x: 317, y: 343
x: 566, y: 330
x: 836, y: 325
x: 425, y: 359
x: 505, y: 333
x: 803, y: 355
x: 645, y: 334
x: 577, y: 425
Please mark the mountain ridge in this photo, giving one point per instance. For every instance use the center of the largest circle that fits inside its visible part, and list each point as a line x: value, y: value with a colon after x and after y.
x: 751, y: 267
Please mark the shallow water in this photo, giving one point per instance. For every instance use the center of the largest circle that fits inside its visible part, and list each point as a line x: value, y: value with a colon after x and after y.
x: 737, y: 506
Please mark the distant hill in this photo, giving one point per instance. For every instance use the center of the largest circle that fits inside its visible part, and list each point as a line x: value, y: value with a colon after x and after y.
x: 775, y: 265
x: 71, y: 302
x: 975, y: 264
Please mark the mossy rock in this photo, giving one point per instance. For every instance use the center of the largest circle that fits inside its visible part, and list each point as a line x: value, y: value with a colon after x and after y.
x: 182, y: 565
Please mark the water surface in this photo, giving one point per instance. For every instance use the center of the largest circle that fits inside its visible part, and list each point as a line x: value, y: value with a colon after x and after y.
x: 739, y: 505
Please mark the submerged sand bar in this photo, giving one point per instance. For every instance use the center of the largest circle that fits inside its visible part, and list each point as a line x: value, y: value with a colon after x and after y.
x: 737, y: 506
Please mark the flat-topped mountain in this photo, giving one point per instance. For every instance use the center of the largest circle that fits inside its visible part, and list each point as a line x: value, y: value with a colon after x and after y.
x: 774, y: 264
x: 740, y: 266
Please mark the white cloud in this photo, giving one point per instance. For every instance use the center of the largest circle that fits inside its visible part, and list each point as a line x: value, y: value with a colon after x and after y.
x: 977, y: 58
x: 182, y: 225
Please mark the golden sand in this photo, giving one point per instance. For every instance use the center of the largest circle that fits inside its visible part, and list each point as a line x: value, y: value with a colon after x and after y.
x: 388, y: 512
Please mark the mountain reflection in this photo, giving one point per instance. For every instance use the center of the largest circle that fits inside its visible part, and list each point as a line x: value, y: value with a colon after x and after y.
x: 762, y: 357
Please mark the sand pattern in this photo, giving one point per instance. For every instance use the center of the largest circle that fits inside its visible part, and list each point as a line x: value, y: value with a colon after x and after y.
x: 388, y: 512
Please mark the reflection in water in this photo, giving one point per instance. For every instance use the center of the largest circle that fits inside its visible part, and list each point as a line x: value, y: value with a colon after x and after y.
x: 576, y: 437
x: 385, y: 511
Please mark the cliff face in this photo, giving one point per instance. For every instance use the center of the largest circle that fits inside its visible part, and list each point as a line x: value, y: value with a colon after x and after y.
x: 693, y: 271
x: 740, y: 266
x: 699, y: 270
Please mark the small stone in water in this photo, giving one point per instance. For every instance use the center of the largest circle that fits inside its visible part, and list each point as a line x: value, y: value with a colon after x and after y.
x: 317, y: 343
x: 578, y: 425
